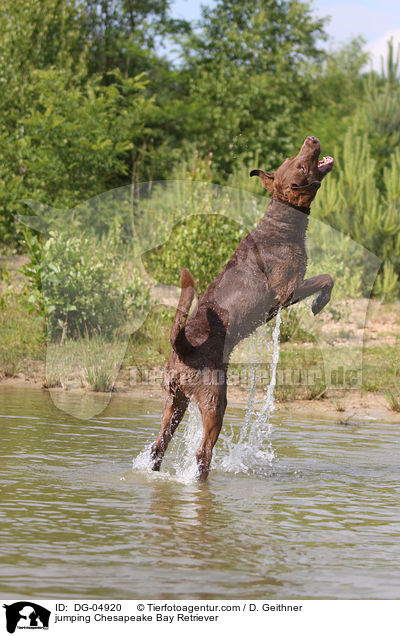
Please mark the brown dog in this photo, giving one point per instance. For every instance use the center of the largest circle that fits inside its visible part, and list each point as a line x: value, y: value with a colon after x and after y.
x: 266, y: 272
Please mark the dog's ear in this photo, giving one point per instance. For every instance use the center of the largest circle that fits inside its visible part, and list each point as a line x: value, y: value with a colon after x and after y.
x: 267, y: 178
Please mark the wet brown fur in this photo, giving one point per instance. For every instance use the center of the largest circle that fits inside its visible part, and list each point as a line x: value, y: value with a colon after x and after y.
x: 266, y: 272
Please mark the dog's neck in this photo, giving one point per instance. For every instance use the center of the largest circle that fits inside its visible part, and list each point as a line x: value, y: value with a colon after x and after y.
x: 301, y: 208
x: 287, y: 219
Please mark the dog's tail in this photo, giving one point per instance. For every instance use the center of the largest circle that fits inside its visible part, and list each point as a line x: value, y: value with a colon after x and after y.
x: 178, y: 340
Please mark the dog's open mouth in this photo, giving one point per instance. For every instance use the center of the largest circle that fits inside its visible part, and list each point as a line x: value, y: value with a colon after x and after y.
x: 325, y: 164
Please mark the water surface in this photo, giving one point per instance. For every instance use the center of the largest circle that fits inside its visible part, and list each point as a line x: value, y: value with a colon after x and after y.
x: 322, y: 521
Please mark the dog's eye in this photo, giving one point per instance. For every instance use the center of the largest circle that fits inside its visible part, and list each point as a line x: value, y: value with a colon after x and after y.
x: 302, y: 168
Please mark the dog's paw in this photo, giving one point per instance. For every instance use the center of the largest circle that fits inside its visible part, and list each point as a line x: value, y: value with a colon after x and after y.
x: 322, y: 298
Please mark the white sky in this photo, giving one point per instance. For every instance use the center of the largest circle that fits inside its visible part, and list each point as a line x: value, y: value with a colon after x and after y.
x: 376, y: 20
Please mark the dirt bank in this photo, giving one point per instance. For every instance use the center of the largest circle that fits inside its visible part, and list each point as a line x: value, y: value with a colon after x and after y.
x: 352, y: 407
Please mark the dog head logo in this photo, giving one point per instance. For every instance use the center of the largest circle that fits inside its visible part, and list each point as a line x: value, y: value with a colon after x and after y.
x: 26, y: 615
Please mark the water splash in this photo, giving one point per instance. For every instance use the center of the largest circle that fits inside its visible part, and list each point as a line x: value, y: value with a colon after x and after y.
x: 179, y: 462
x: 252, y: 450
x: 184, y: 448
x: 143, y: 460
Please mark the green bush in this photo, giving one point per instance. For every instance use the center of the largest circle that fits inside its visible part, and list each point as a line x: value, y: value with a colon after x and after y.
x: 200, y: 216
x: 83, y: 286
x: 202, y: 244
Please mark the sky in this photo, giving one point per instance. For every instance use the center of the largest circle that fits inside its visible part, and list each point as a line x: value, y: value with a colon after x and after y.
x: 376, y: 20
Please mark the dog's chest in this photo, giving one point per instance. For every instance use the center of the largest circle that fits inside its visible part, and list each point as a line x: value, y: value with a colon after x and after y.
x: 284, y: 267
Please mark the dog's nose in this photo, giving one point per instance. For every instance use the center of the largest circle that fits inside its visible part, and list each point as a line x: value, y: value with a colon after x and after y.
x: 313, y: 139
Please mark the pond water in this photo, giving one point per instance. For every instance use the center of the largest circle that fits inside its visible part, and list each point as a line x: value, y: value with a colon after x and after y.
x: 322, y: 520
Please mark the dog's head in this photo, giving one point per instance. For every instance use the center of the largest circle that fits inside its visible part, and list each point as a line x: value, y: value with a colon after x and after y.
x: 297, y: 180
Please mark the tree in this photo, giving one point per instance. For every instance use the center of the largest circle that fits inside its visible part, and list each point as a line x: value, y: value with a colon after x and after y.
x: 337, y: 89
x: 249, y: 79
x: 34, y: 35
x: 74, y: 122
x: 126, y: 34
x: 379, y: 114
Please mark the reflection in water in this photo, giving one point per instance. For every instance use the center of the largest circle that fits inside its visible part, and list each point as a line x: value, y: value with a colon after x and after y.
x: 80, y: 404
x: 323, y: 521
x: 179, y: 521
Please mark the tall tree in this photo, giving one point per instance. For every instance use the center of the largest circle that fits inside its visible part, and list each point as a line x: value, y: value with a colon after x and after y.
x: 337, y: 91
x: 65, y: 134
x: 248, y: 76
x: 127, y: 34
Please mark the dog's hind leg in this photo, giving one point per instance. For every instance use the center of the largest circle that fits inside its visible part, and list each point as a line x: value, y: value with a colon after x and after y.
x: 212, y: 415
x: 175, y: 405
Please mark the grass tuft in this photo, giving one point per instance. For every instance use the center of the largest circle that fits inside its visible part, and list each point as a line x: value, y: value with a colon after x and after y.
x: 393, y: 398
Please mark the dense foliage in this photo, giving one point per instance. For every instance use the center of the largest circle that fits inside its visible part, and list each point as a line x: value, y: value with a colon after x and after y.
x: 83, y: 287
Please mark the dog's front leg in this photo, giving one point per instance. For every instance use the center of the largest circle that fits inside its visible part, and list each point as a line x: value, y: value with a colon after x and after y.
x: 321, y: 285
x: 175, y: 406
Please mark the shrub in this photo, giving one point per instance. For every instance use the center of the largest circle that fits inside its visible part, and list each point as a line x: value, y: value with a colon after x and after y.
x: 354, y: 204
x: 83, y: 286
x: 205, y: 223
x: 203, y: 244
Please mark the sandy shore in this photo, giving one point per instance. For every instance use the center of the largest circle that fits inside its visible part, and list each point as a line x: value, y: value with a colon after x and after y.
x: 352, y: 407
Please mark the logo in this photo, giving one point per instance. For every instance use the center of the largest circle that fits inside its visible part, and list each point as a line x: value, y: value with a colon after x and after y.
x: 26, y: 615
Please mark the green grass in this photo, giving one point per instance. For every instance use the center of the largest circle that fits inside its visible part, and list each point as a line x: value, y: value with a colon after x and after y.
x: 300, y: 371
x: 90, y: 363
x: 149, y: 346
x: 393, y: 398
x: 94, y: 362
x: 21, y: 335
x: 381, y: 368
